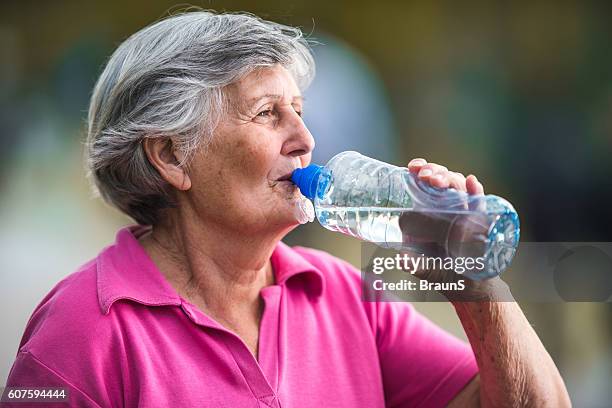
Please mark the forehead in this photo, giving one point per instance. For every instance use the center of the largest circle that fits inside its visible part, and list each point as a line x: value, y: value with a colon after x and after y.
x: 275, y: 80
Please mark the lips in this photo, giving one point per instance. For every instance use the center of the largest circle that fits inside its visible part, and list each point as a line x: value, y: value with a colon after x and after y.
x: 286, y: 177
x: 285, y: 183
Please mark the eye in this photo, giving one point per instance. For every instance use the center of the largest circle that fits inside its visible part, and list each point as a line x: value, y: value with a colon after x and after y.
x: 265, y: 113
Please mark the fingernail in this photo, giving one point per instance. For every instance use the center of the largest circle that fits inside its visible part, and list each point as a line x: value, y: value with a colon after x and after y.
x: 425, y: 173
x: 415, y: 162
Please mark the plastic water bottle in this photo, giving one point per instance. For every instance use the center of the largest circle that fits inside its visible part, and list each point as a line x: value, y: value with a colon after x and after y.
x: 389, y: 206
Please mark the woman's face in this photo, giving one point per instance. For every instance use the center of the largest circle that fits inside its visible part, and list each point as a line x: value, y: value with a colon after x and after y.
x: 241, y: 180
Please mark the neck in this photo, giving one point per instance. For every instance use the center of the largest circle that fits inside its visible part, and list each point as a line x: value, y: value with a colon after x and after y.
x: 220, y: 269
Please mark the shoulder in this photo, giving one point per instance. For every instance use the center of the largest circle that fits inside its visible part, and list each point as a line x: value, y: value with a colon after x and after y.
x: 67, y: 341
x: 345, y: 283
x: 68, y: 321
x: 343, y: 286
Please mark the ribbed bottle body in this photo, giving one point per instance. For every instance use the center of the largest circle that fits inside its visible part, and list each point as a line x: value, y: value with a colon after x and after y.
x: 387, y: 205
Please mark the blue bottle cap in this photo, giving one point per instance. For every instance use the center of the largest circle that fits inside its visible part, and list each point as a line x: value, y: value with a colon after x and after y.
x: 307, y: 180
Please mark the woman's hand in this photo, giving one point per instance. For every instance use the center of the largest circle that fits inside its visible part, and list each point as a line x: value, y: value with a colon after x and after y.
x: 439, y: 176
x: 458, y: 232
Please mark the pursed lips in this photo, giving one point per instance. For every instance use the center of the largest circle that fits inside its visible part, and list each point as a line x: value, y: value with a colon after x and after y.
x: 285, y: 178
x: 285, y: 175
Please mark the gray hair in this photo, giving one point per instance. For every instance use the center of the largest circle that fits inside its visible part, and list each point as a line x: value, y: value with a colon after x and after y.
x: 167, y: 81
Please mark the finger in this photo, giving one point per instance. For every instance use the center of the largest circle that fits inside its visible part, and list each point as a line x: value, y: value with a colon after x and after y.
x: 440, y: 180
x: 457, y: 181
x: 416, y: 164
x: 473, y: 186
x: 429, y: 169
x: 435, y: 175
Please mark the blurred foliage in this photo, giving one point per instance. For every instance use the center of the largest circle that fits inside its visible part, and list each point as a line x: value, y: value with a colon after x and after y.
x: 519, y: 94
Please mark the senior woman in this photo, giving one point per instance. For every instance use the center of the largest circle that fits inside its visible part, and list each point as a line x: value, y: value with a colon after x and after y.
x: 194, y: 128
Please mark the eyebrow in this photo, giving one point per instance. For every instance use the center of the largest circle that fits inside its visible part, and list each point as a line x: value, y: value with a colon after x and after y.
x: 275, y: 97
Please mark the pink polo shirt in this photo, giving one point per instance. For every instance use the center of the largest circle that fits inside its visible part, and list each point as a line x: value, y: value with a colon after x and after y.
x: 115, y: 333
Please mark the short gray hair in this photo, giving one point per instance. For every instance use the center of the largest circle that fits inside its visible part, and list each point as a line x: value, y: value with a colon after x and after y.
x: 166, y: 81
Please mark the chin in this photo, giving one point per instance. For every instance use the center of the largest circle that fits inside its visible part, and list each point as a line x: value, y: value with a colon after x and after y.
x: 285, y: 210
x: 286, y: 214
x: 282, y: 226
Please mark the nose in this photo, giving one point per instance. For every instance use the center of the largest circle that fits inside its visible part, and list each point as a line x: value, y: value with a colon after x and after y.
x: 299, y: 141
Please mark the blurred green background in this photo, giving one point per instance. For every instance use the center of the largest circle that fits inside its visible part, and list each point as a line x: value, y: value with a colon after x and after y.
x: 519, y: 94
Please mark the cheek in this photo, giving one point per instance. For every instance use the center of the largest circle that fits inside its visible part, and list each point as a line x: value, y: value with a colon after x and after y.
x: 253, y: 160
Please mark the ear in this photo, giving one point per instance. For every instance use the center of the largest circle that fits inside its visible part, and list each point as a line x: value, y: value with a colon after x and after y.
x: 161, y: 154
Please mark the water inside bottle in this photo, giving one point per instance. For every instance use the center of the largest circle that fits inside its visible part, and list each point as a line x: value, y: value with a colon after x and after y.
x: 435, y: 232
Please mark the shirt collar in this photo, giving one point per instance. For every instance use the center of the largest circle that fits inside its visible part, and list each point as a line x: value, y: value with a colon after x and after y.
x: 289, y: 265
x: 125, y: 271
